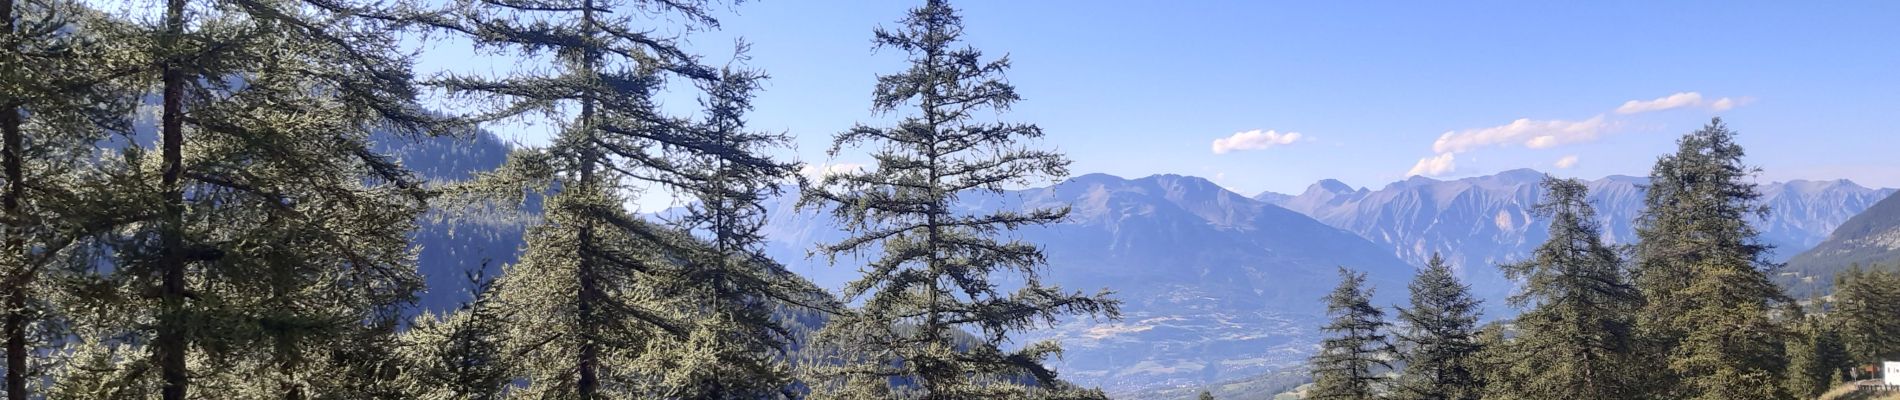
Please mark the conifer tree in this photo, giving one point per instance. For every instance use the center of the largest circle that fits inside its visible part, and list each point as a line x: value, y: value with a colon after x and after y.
x: 1867, y: 306
x: 1494, y: 362
x: 1577, y: 338
x: 1699, y: 266
x: 736, y: 349
x: 459, y: 355
x: 1816, y: 358
x: 937, y: 270
x: 1439, y: 337
x: 1356, y: 348
x: 603, y: 303
x: 267, y: 238
x: 56, y: 101
x: 1206, y: 396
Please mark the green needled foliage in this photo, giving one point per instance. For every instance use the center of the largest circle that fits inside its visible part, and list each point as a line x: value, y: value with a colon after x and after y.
x: 737, y: 350
x: 1867, y: 307
x: 261, y: 244
x: 1699, y: 266
x: 936, y: 269
x: 1576, y: 339
x: 1439, y: 338
x: 1816, y: 358
x: 459, y: 356
x: 1356, y: 350
x: 604, y: 304
x: 56, y: 100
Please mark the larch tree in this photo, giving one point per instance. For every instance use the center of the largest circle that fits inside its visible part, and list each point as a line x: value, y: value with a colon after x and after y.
x: 1576, y: 340
x: 1700, y: 268
x: 1438, y: 335
x: 603, y: 303
x: 737, y: 350
x: 57, y: 98
x: 461, y: 355
x: 937, y: 270
x: 1356, y: 348
x: 261, y: 239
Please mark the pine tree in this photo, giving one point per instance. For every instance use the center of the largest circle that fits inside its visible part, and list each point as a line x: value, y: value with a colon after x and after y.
x: 1699, y: 266
x: 1816, y: 358
x: 736, y: 349
x: 1206, y: 396
x: 1576, y: 340
x: 266, y: 239
x: 1493, y: 365
x: 1866, y: 304
x: 459, y: 355
x: 1439, y: 337
x: 1356, y: 348
x: 56, y: 100
x: 937, y: 268
x: 603, y: 303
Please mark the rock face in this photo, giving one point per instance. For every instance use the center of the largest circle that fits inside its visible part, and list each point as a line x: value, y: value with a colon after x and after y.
x: 1217, y: 285
x: 1483, y: 221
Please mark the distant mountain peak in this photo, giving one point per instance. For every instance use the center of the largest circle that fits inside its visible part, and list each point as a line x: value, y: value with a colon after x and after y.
x: 1331, y: 186
x: 1521, y: 174
x: 1093, y: 178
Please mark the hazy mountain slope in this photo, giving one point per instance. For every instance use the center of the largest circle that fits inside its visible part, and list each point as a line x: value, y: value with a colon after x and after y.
x: 1868, y: 239
x: 1480, y: 222
x: 1218, y: 286
x: 449, y: 248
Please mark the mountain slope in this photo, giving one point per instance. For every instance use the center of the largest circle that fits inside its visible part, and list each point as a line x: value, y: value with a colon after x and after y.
x: 1480, y: 222
x: 1868, y: 239
x: 1217, y: 286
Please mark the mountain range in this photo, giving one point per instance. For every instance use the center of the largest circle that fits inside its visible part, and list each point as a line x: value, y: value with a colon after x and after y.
x: 1480, y: 222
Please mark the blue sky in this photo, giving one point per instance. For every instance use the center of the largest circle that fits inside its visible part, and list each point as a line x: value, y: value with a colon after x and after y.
x: 1375, y: 90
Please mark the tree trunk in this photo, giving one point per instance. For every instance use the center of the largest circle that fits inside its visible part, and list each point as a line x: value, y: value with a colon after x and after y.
x: 18, y: 282
x: 589, y: 382
x: 170, y: 345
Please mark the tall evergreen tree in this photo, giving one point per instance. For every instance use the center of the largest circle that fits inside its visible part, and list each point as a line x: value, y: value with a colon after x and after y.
x: 1867, y: 306
x: 603, y: 303
x: 1699, y: 265
x: 1577, y: 338
x: 1439, y: 338
x: 1816, y: 358
x: 267, y: 235
x: 459, y: 356
x: 56, y: 100
x: 1494, y: 363
x: 937, y: 268
x: 1356, y: 347
x: 737, y: 349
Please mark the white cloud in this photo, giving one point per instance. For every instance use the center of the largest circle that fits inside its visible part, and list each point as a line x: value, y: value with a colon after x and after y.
x: 1528, y: 132
x: 1679, y: 100
x: 1438, y: 165
x: 820, y: 171
x: 1253, y: 140
x: 1724, y: 105
x: 1567, y: 162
